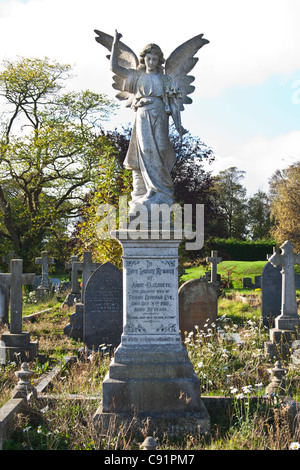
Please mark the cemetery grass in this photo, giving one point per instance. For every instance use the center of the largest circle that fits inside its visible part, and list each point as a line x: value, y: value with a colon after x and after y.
x: 229, y: 364
x: 232, y: 272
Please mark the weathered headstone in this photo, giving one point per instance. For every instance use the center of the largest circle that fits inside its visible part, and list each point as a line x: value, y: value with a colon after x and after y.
x: 16, y: 341
x: 74, y: 271
x: 270, y: 294
x: 198, y: 305
x: 214, y: 260
x: 74, y: 295
x: 257, y: 282
x: 103, y: 307
x: 247, y: 283
x: 4, y: 303
x: 287, y: 324
x: 44, y: 260
x: 74, y: 329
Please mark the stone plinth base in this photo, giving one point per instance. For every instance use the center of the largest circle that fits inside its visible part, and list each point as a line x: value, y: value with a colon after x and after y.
x: 174, y: 425
x: 74, y: 329
x: 280, y: 343
x: 153, y: 384
x: 17, y: 347
x: 284, y: 322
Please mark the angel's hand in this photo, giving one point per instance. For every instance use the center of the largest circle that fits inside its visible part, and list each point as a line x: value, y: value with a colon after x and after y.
x: 117, y: 36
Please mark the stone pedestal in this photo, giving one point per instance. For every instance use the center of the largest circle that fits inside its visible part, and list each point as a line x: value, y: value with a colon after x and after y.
x: 74, y: 329
x: 151, y: 378
x: 17, y: 347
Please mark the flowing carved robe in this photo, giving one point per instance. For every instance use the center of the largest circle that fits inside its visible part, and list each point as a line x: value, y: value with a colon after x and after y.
x: 150, y: 153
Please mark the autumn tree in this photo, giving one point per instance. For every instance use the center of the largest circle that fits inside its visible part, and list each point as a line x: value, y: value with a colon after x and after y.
x: 192, y: 185
x: 49, y: 152
x: 285, y: 204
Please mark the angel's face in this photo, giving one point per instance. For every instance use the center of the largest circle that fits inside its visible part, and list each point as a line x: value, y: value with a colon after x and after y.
x: 151, y: 62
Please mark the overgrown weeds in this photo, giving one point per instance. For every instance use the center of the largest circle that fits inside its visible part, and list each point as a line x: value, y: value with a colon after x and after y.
x: 227, y: 357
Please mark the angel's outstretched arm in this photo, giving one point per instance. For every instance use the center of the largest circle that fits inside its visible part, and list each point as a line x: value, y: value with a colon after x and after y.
x: 115, y: 67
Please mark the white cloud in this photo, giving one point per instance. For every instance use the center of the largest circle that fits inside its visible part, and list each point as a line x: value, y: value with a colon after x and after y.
x: 248, y: 40
x: 260, y: 157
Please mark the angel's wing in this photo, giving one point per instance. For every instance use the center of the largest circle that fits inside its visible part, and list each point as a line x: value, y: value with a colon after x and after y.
x: 126, y: 58
x: 181, y: 62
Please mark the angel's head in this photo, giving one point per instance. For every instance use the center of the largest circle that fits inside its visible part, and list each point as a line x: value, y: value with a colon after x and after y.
x: 151, y: 56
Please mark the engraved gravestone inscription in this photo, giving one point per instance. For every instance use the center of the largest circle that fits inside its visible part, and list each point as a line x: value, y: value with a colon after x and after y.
x: 103, y: 309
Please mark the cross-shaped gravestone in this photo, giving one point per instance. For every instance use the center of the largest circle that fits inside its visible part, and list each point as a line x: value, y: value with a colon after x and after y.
x: 44, y: 260
x: 74, y: 274
x: 15, y: 279
x: 86, y: 266
x: 214, y: 260
x: 289, y: 318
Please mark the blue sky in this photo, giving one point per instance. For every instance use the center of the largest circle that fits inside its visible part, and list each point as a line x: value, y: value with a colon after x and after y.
x: 246, y: 105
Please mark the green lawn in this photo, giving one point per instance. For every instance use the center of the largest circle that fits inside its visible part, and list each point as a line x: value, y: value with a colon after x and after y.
x: 232, y: 270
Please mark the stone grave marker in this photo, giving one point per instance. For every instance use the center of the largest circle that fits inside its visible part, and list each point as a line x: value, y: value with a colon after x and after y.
x: 74, y: 295
x: 16, y: 341
x: 247, y: 283
x: 151, y: 376
x: 4, y: 301
x: 44, y: 261
x: 287, y: 324
x: 74, y: 329
x: 257, y: 282
x: 214, y: 260
x: 270, y: 293
x: 103, y: 307
x: 198, y: 305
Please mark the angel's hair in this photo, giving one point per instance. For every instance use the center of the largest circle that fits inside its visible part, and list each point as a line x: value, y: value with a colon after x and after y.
x: 151, y: 48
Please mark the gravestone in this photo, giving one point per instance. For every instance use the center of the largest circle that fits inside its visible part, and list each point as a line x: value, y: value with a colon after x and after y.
x: 214, y: 260
x: 247, y: 283
x: 44, y: 261
x: 297, y: 281
x: 15, y: 341
x: 74, y: 295
x: 270, y: 294
x: 287, y: 324
x: 198, y: 305
x: 257, y: 282
x: 74, y: 329
x: 103, y: 307
x: 4, y: 303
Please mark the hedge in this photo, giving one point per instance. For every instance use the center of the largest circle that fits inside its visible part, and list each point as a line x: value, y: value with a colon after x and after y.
x: 241, y: 250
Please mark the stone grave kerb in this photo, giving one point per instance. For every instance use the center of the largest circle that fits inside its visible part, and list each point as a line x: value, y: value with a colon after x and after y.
x: 44, y: 260
x: 214, y: 260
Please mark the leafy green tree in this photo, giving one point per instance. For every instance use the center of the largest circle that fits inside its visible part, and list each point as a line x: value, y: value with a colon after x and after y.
x: 49, y: 152
x: 233, y: 201
x: 259, y: 216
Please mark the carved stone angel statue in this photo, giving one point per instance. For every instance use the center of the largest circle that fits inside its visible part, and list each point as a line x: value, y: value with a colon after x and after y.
x: 154, y: 93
